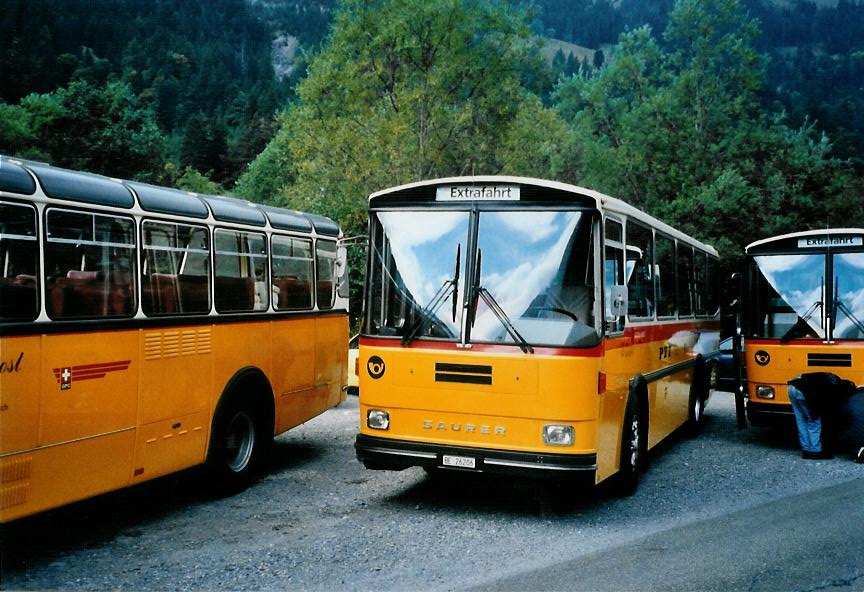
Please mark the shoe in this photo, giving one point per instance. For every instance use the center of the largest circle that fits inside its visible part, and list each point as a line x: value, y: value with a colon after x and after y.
x: 820, y: 455
x: 859, y: 458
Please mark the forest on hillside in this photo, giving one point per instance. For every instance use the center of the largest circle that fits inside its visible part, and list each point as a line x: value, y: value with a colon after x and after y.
x: 703, y: 109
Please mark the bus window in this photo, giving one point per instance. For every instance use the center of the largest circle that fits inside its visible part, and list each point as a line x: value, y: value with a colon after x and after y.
x: 849, y: 296
x: 292, y: 273
x: 640, y: 270
x: 19, y: 253
x: 665, y: 276
x: 325, y: 255
x: 240, y: 271
x: 89, y: 260
x: 712, y: 280
x: 684, y: 257
x: 613, y: 272
x: 176, y: 269
x: 700, y: 283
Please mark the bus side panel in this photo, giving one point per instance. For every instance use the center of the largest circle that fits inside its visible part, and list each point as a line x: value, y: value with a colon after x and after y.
x: 20, y: 369
x: 58, y: 475
x: 89, y: 387
x: 176, y: 384
x: 620, y: 364
x: 293, y: 375
x: 331, y: 360
x: 236, y: 346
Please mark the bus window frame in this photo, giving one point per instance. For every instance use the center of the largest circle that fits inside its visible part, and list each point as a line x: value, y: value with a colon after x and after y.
x: 263, y: 234
x: 334, y: 295
x: 621, y: 320
x: 690, y: 293
x: 43, y: 245
x: 674, y: 315
x: 312, y: 296
x: 210, y: 282
x: 37, y: 238
x: 653, y: 316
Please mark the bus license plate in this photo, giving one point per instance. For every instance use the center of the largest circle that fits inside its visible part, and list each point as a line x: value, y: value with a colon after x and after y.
x: 464, y: 462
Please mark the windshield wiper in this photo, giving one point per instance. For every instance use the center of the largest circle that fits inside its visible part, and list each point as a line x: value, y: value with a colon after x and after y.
x: 481, y: 292
x: 440, y: 296
x: 839, y: 304
x: 802, y: 323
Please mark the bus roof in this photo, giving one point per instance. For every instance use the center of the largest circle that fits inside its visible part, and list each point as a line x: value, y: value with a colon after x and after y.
x: 58, y: 183
x: 600, y: 201
x: 782, y: 238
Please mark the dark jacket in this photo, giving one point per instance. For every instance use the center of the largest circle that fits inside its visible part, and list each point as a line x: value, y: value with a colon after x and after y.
x: 823, y: 391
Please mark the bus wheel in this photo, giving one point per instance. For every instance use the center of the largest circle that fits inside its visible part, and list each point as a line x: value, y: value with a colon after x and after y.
x: 236, y: 447
x: 634, y: 447
x: 698, y: 396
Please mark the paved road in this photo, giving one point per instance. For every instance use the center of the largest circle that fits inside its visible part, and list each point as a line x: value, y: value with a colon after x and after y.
x: 812, y: 541
x: 318, y: 520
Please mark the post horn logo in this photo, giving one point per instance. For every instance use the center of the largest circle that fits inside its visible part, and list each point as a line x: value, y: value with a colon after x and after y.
x: 762, y: 357
x: 375, y: 367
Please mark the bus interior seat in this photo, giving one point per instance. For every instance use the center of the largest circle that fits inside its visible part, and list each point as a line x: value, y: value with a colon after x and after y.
x: 18, y: 298
x: 235, y: 294
x: 293, y: 292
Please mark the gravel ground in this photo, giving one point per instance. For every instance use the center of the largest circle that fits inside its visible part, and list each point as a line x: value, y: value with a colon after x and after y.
x: 318, y: 520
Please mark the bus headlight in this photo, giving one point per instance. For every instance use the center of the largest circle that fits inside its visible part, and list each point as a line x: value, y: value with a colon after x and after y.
x: 377, y: 419
x: 558, y: 435
x: 764, y: 392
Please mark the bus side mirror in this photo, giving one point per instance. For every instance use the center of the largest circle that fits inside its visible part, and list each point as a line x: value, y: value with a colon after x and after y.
x: 733, y: 293
x: 618, y: 300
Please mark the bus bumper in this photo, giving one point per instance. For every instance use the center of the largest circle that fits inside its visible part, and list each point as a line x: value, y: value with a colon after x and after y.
x: 396, y: 455
x: 768, y: 414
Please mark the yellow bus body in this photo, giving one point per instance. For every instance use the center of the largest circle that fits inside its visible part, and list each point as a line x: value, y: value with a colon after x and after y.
x: 128, y: 352
x: 528, y: 392
x: 151, y: 415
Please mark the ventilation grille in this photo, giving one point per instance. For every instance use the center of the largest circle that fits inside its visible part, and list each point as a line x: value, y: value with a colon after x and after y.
x: 833, y: 360
x: 464, y: 373
x: 171, y: 344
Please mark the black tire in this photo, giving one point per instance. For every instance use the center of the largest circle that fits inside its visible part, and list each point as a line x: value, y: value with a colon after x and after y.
x: 699, y: 390
x: 634, y: 447
x: 239, y: 442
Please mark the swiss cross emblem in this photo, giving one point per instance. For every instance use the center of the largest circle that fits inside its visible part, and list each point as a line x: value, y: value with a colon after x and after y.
x: 65, y: 379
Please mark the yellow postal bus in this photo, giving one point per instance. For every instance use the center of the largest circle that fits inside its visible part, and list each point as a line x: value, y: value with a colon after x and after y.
x: 144, y: 330
x: 522, y: 325
x: 804, y: 313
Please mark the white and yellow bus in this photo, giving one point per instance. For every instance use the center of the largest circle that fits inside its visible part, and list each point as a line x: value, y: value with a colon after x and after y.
x: 804, y: 312
x: 522, y: 325
x: 144, y: 330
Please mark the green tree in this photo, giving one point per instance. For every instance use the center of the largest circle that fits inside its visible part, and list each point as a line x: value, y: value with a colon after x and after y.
x: 406, y: 90
x: 103, y: 129
x: 676, y: 126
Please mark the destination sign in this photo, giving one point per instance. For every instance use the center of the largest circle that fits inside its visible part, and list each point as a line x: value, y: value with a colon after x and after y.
x: 477, y: 193
x: 830, y: 241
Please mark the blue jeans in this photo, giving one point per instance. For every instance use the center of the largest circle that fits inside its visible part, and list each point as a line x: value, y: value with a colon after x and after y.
x: 809, y: 427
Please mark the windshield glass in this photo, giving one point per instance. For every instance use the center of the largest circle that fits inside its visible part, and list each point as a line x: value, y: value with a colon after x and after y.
x: 849, y: 296
x: 790, y: 296
x: 414, y: 258
x: 538, y: 266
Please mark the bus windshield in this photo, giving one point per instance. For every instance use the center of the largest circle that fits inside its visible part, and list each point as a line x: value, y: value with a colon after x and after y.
x: 790, y: 302
x: 849, y: 296
x: 536, y: 266
x: 415, y: 258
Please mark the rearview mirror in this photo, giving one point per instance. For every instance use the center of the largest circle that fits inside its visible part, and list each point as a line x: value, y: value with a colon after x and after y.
x: 618, y: 300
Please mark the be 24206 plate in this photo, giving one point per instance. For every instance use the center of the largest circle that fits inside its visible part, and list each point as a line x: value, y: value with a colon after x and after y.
x: 463, y: 462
